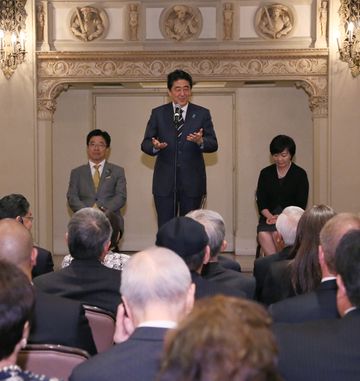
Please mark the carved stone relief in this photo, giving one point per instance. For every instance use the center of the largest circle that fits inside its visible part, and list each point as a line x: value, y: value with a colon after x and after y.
x: 181, y: 23
x: 228, y: 20
x: 40, y: 22
x: 88, y: 23
x: 133, y: 22
x: 323, y: 17
x: 274, y: 21
x: 307, y: 68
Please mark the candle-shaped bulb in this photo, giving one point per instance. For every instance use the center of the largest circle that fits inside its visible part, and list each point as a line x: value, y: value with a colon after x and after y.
x: 22, y: 40
x: 2, y: 34
x: 13, y: 42
x: 350, y: 30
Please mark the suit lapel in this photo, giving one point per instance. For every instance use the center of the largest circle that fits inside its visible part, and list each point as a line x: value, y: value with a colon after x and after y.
x: 190, y: 115
x: 89, y: 177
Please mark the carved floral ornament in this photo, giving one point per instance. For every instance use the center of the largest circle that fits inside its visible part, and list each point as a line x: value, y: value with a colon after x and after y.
x: 306, y: 68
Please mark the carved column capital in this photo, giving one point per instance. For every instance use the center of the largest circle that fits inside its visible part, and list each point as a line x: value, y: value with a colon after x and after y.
x: 48, y: 91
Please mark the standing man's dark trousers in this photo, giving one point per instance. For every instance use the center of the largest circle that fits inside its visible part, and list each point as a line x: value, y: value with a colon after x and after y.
x: 167, y: 208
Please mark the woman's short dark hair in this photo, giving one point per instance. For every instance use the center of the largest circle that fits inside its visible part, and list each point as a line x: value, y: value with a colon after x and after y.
x: 16, y: 306
x: 101, y: 133
x: 176, y: 75
x: 282, y: 142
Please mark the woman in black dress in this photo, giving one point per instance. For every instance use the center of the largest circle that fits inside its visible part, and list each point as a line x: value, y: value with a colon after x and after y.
x: 280, y: 185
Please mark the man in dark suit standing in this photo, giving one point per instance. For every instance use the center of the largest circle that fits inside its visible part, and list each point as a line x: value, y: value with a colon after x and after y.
x: 178, y: 133
x: 86, y: 279
x: 98, y: 184
x: 17, y: 206
x: 328, y: 350
x: 55, y: 320
x: 215, y: 229
x: 157, y: 292
x: 320, y: 303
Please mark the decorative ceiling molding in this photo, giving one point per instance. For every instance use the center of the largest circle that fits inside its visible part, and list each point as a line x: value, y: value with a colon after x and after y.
x: 307, y: 68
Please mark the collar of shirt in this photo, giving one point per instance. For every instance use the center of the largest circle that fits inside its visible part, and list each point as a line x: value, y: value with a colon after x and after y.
x: 101, y: 167
x: 328, y: 278
x: 184, y: 110
x: 349, y: 310
x: 158, y: 324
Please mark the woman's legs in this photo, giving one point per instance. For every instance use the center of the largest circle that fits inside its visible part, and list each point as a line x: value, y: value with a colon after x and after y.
x: 267, y: 242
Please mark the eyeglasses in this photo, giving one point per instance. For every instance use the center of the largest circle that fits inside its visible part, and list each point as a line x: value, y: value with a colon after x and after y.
x: 30, y: 218
x: 95, y: 145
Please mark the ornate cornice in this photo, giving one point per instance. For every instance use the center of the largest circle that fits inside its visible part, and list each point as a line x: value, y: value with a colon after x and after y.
x: 307, y: 66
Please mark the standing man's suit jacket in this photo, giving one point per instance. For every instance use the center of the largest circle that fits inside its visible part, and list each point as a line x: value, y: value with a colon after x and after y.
x: 315, y: 305
x: 60, y: 321
x: 186, y: 156
x: 44, y: 262
x: 323, y: 350
x: 136, y: 359
x: 215, y: 272
x: 111, y: 192
x: 87, y: 281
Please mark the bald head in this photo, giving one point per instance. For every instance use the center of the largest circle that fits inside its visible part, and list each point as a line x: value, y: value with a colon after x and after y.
x: 16, y: 243
x: 155, y: 275
x: 333, y: 231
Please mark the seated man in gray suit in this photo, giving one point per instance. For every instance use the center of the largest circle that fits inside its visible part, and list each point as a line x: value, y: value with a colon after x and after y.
x: 320, y: 303
x: 215, y: 229
x: 99, y: 183
x: 328, y: 350
x: 157, y: 292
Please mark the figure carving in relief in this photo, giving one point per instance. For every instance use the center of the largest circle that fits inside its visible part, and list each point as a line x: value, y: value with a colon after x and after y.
x: 133, y: 22
x: 228, y: 16
x: 87, y: 24
x: 275, y: 21
x: 40, y: 22
x: 323, y: 16
x: 182, y: 23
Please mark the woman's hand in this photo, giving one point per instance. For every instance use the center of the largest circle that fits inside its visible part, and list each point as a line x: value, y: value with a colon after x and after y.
x: 272, y: 220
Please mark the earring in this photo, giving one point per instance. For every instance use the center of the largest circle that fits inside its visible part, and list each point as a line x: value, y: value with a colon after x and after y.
x: 23, y: 342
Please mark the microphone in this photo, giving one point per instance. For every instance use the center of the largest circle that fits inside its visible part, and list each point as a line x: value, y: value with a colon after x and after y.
x: 177, y: 113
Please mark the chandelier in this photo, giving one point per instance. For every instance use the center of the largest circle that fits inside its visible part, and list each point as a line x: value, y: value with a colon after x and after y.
x: 12, y: 35
x: 349, y: 48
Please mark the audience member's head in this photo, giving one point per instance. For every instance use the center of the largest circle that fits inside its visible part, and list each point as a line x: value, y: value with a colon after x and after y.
x: 16, y: 305
x: 287, y: 222
x: 187, y: 238
x: 156, y: 285
x: 223, y: 338
x: 215, y: 229
x: 347, y: 264
x: 16, y: 206
x: 16, y: 245
x: 89, y: 233
x: 305, y: 268
x: 330, y: 236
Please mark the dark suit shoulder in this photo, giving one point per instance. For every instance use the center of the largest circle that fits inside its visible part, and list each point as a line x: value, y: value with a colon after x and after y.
x: 315, y: 305
x: 136, y: 359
